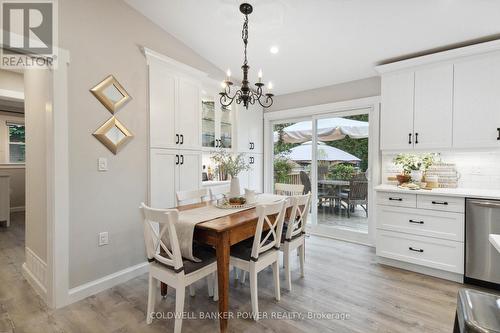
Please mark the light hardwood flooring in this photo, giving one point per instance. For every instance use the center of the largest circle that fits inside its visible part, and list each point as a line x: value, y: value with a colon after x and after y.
x: 339, y: 277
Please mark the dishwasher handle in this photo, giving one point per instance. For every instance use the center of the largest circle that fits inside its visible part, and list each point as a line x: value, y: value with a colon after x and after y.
x: 485, y: 204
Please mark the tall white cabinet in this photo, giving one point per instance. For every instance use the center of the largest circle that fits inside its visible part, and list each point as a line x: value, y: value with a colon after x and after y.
x: 187, y: 120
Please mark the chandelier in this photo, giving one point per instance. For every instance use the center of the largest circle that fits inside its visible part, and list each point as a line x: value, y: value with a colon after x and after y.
x: 245, y: 95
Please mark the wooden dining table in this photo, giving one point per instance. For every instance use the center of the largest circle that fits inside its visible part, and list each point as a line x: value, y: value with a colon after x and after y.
x: 221, y: 233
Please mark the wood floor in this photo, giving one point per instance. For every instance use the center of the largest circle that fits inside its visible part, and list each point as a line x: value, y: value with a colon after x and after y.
x: 340, y: 277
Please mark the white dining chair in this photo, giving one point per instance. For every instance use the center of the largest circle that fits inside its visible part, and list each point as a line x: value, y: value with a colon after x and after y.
x: 169, y: 266
x: 218, y: 192
x: 259, y: 252
x: 288, y: 189
x: 293, y: 236
x: 191, y: 197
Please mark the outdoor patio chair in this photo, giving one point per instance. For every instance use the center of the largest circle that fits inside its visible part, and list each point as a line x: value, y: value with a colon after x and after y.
x: 357, y: 194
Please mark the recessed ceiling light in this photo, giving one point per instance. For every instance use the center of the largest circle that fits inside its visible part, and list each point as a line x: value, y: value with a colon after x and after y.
x: 274, y: 49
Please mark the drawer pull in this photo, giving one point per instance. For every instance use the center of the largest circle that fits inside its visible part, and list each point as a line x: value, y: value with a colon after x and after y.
x: 439, y: 203
x: 396, y: 199
x: 415, y: 250
x: 416, y: 222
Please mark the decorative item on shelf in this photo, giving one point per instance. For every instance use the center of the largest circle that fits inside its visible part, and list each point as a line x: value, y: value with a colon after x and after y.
x: 111, y: 94
x: 113, y: 134
x: 443, y: 175
x: 246, y: 95
x: 230, y: 165
x: 413, y: 166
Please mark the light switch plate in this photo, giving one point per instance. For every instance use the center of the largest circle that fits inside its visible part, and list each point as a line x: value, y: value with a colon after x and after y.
x: 102, y: 164
x: 103, y: 238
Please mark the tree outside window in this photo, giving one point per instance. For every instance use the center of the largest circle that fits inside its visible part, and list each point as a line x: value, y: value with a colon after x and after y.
x: 17, y: 147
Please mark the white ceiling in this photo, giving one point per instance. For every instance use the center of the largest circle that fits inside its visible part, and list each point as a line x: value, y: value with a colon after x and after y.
x: 321, y: 42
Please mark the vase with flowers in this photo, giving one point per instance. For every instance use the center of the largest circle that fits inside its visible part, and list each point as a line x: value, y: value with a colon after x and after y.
x: 413, y: 166
x: 229, y: 164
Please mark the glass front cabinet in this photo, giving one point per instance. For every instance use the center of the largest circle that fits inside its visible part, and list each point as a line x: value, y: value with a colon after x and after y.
x: 217, y: 121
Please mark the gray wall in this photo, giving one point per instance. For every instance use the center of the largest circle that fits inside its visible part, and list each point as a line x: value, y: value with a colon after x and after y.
x: 106, y: 41
x: 330, y: 94
x: 11, y: 81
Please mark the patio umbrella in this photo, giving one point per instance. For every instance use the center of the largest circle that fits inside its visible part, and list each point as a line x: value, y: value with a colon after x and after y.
x: 329, y: 129
x: 325, y: 153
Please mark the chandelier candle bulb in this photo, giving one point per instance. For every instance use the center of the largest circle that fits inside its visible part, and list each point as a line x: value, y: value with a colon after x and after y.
x: 270, y: 86
x: 260, y: 75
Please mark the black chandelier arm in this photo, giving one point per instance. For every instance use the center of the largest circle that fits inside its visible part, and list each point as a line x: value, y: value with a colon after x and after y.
x: 227, y: 100
x: 268, y: 101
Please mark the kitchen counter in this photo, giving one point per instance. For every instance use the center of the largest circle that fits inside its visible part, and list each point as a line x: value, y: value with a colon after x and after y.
x: 449, y: 192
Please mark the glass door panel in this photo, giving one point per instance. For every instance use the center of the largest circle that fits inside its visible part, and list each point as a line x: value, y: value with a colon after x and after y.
x: 226, y: 126
x: 342, y: 164
x: 208, y: 121
x: 292, y: 159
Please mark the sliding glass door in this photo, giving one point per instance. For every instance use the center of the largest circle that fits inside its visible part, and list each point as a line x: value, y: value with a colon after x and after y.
x: 329, y: 155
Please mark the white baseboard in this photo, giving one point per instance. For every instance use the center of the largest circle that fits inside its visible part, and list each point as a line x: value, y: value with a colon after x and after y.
x: 17, y: 209
x: 35, y: 272
x: 421, y: 269
x: 91, y: 288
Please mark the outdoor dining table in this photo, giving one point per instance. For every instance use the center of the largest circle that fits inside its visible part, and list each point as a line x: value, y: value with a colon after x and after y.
x: 221, y: 233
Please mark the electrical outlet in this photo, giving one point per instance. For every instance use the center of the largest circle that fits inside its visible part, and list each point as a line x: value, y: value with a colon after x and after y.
x: 103, y: 238
x: 102, y: 164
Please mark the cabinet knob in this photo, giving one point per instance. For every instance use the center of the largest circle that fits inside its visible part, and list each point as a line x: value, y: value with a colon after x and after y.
x: 440, y: 203
x: 417, y: 222
x: 396, y: 199
x: 182, y: 159
x: 177, y: 139
x: 416, y: 138
x: 176, y: 159
x: 498, y: 130
x: 409, y: 138
x: 182, y: 139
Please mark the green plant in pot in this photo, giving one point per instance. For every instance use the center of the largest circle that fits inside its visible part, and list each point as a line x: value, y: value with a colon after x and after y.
x: 232, y: 165
x: 413, y: 166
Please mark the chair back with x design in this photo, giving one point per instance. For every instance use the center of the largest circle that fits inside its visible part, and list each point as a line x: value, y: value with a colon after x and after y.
x: 159, y: 225
x: 298, y: 216
x: 273, y: 215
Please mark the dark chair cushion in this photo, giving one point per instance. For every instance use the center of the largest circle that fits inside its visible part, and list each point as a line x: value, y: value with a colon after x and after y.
x: 205, y: 253
x: 243, y: 250
x: 283, y: 234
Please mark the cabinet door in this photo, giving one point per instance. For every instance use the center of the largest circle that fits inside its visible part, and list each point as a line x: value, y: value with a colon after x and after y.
x: 256, y: 129
x: 189, y: 170
x: 162, y: 90
x: 226, y: 125
x: 255, y: 179
x: 397, y: 111
x: 476, y: 116
x: 433, y: 117
x: 163, y: 178
x: 188, y: 114
x: 208, y: 120
x: 244, y: 121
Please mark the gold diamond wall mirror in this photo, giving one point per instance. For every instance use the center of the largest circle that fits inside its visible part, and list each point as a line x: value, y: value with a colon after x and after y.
x: 111, y: 94
x: 113, y: 135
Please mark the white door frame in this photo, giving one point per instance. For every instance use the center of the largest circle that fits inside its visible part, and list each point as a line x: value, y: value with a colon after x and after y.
x: 370, y: 104
x: 57, y: 124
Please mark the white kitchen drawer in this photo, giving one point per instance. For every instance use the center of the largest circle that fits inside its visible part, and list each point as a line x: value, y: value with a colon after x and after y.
x: 397, y: 199
x: 430, y: 252
x: 438, y: 202
x: 444, y: 225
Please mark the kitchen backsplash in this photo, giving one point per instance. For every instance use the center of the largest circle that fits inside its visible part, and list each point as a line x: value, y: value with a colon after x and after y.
x: 476, y: 169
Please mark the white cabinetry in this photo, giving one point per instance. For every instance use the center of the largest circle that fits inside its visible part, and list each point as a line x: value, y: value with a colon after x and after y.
x: 172, y: 171
x: 433, y: 116
x: 253, y: 178
x: 396, y: 126
x: 422, y: 230
x: 217, y: 121
x: 417, y: 109
x: 476, y: 119
x: 250, y: 134
x: 174, y: 109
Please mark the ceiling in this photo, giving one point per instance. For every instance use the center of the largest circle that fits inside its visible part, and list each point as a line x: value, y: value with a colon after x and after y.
x: 321, y: 42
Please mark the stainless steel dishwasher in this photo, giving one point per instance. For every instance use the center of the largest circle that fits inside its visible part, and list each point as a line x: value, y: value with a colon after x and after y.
x: 482, y: 260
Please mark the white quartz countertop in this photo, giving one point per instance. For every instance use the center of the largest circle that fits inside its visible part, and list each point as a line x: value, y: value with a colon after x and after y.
x: 215, y: 182
x: 495, y: 241
x: 450, y: 192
